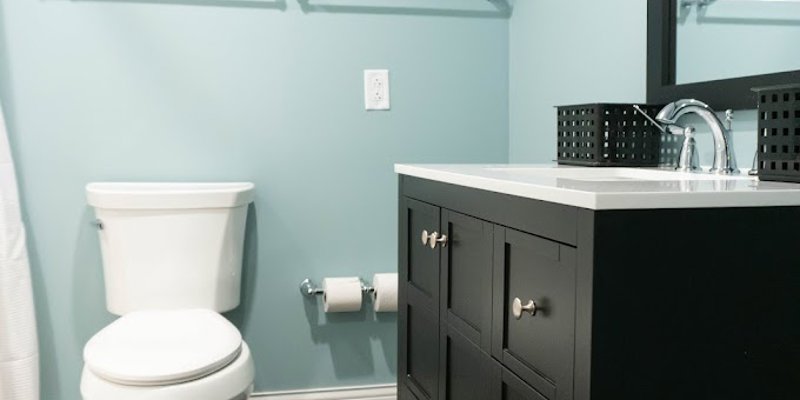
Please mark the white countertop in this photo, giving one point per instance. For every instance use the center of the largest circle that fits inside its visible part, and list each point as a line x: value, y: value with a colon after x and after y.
x: 611, y: 188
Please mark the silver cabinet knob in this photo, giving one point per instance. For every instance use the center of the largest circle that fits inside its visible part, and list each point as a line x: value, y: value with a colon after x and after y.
x: 425, y: 237
x: 429, y: 238
x: 433, y: 238
x: 517, y: 308
x: 442, y: 240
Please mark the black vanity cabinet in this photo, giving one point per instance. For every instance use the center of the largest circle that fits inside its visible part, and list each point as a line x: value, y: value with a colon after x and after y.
x: 520, y: 299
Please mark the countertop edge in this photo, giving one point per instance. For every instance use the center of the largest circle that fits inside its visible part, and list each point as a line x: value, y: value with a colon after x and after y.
x: 607, y: 201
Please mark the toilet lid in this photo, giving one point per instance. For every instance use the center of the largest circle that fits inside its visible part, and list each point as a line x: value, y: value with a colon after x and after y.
x: 162, y: 347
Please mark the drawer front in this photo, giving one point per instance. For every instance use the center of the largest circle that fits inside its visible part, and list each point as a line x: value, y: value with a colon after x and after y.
x: 466, y: 290
x: 539, y: 347
x: 466, y: 370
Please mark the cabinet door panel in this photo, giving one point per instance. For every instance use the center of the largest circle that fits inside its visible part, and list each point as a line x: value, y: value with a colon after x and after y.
x: 422, y: 344
x: 507, y: 386
x: 466, y: 370
x: 418, y: 318
x: 466, y: 290
x: 539, y: 348
x: 423, y: 261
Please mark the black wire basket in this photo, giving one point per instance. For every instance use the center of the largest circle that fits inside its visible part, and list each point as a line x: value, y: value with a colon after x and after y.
x: 608, y: 135
x: 779, y: 133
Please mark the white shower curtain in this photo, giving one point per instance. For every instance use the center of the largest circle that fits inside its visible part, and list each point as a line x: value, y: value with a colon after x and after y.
x: 19, y: 353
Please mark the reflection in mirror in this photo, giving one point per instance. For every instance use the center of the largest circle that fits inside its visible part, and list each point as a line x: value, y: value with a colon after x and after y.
x: 722, y: 39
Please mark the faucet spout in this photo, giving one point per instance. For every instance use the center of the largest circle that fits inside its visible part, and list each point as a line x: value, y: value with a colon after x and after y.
x: 724, y: 157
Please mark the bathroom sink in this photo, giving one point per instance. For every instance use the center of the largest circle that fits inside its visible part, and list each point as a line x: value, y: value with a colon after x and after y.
x: 613, y: 174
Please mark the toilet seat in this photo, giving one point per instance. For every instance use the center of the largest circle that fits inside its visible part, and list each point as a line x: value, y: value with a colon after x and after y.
x: 162, y: 347
x: 233, y: 382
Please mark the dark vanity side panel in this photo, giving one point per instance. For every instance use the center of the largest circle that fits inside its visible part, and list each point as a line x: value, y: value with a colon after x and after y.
x: 696, y: 304
x: 553, y: 221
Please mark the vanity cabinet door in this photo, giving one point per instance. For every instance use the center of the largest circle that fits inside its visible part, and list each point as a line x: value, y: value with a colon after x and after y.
x: 537, y: 340
x: 419, y: 350
x: 466, y: 370
x: 466, y: 289
x: 419, y: 261
x: 418, y: 316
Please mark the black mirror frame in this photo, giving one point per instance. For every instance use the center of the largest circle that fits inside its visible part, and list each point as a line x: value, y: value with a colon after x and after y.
x: 734, y: 93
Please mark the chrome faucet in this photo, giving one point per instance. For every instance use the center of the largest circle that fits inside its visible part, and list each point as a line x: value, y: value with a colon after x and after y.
x: 724, y: 157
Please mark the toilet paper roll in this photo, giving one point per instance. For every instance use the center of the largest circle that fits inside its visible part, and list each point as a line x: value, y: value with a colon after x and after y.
x: 342, y: 294
x: 384, y: 298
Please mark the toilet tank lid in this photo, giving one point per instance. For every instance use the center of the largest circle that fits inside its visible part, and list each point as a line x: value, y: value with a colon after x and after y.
x: 160, y: 347
x: 168, y: 195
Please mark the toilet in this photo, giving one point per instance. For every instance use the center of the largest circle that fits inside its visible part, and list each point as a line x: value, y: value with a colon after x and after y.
x: 172, y: 262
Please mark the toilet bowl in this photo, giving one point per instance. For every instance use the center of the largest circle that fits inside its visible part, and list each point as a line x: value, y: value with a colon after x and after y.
x: 167, y: 354
x: 172, y: 257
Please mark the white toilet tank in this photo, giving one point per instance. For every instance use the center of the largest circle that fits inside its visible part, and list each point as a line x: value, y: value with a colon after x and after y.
x: 171, y: 245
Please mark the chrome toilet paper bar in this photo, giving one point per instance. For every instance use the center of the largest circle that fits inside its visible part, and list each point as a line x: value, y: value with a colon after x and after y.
x: 309, y: 289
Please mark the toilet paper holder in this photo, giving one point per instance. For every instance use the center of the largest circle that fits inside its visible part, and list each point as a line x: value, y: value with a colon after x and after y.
x: 309, y: 289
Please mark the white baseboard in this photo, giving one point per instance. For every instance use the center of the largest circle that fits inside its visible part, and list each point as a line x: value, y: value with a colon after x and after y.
x: 376, y: 392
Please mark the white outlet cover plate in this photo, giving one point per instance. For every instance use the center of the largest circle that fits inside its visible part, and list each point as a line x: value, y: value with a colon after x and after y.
x: 376, y: 89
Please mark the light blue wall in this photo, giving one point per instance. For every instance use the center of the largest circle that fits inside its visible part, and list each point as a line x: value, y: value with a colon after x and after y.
x: 570, y: 52
x: 244, y: 90
x: 581, y: 51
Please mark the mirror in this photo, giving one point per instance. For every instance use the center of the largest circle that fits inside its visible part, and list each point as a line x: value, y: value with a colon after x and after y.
x: 717, y: 50
x: 725, y: 39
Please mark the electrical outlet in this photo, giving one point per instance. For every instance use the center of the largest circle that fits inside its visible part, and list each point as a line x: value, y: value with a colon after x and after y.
x: 376, y: 89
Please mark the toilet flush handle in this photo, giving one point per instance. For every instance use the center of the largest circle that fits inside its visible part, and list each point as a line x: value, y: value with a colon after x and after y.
x: 98, y: 223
